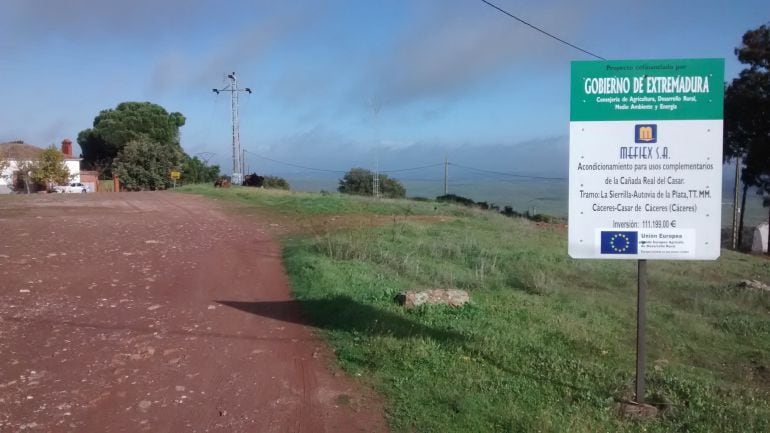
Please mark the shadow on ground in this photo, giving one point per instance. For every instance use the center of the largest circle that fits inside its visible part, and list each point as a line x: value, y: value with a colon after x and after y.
x: 342, y: 313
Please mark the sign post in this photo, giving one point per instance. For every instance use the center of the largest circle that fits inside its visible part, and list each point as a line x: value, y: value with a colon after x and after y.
x: 641, y: 319
x: 645, y: 170
x: 175, y: 175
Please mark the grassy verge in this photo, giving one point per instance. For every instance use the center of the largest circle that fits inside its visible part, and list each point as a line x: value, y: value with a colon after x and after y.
x: 547, y: 343
x: 299, y: 203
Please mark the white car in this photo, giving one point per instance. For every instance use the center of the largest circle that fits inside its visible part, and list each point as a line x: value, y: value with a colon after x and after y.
x: 74, y: 187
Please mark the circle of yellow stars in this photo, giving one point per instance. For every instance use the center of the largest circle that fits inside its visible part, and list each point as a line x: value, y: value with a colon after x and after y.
x: 625, y: 242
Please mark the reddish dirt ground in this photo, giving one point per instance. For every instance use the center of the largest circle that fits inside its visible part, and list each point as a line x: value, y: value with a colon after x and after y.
x: 115, y: 317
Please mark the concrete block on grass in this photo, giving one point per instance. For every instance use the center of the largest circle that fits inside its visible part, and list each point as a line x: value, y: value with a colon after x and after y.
x: 451, y: 297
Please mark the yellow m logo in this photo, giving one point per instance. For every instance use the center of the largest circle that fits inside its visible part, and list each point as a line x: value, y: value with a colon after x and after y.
x: 645, y: 133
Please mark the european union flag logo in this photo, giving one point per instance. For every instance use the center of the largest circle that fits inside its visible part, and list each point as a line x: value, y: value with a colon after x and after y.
x: 620, y: 242
x: 646, y: 133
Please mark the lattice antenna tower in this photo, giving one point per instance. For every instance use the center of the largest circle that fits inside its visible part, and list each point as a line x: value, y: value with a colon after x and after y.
x: 376, y: 106
x: 234, y: 90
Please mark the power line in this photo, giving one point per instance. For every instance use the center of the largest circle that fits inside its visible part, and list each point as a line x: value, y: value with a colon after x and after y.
x: 411, y: 168
x: 422, y: 167
x: 502, y: 173
x: 293, y: 165
x: 420, y: 179
x: 398, y: 170
x: 490, y: 4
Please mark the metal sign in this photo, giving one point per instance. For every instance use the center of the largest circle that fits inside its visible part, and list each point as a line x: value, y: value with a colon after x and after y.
x: 175, y: 175
x: 645, y: 175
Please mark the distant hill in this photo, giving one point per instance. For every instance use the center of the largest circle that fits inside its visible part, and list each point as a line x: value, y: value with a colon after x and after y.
x: 471, y: 173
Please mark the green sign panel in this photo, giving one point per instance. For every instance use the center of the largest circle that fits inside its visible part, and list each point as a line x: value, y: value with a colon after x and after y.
x: 686, y: 89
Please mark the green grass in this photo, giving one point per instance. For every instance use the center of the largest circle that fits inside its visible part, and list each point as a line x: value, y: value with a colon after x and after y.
x: 301, y: 203
x: 547, y: 343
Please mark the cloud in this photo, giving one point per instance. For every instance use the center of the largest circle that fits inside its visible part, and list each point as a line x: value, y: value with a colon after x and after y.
x: 311, y: 144
x: 296, y: 87
x: 238, y: 50
x: 455, y: 46
x: 541, y: 157
x: 78, y: 19
x: 192, y: 41
x: 324, y: 148
x: 248, y: 46
x: 39, y: 134
x: 168, y: 71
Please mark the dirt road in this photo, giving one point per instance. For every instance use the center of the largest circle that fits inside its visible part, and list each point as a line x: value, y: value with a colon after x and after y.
x: 115, y: 317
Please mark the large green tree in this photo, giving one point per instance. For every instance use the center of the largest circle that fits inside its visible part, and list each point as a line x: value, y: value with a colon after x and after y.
x: 145, y: 165
x: 129, y: 122
x: 747, y: 115
x: 360, y: 181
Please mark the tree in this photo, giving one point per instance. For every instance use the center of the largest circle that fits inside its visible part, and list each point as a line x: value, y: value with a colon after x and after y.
x: 4, y: 162
x: 456, y: 199
x: 356, y: 181
x: 50, y: 169
x: 25, y: 170
x: 360, y: 181
x: 747, y: 115
x: 196, y: 171
x: 129, y: 122
x: 146, y: 165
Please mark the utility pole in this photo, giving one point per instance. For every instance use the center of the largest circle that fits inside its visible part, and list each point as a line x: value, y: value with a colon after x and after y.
x: 736, y: 209
x: 446, y: 176
x: 237, y: 178
x: 243, y: 162
x: 376, y: 186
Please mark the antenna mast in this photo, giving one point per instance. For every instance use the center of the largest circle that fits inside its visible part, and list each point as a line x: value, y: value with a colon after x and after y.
x: 237, y: 178
x: 375, y: 105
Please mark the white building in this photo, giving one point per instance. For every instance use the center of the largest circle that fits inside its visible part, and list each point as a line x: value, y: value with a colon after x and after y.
x: 18, y: 152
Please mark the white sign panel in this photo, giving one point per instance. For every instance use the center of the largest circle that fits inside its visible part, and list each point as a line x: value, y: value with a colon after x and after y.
x: 646, y: 159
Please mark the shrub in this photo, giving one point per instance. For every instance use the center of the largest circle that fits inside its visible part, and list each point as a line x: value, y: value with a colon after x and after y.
x: 456, y: 199
x: 276, y: 182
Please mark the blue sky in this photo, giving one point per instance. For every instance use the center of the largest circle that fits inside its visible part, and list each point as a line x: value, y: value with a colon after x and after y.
x: 337, y: 82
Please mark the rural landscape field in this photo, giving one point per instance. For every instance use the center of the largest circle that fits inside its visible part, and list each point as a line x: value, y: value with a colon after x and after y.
x: 547, y: 343
x: 398, y: 216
